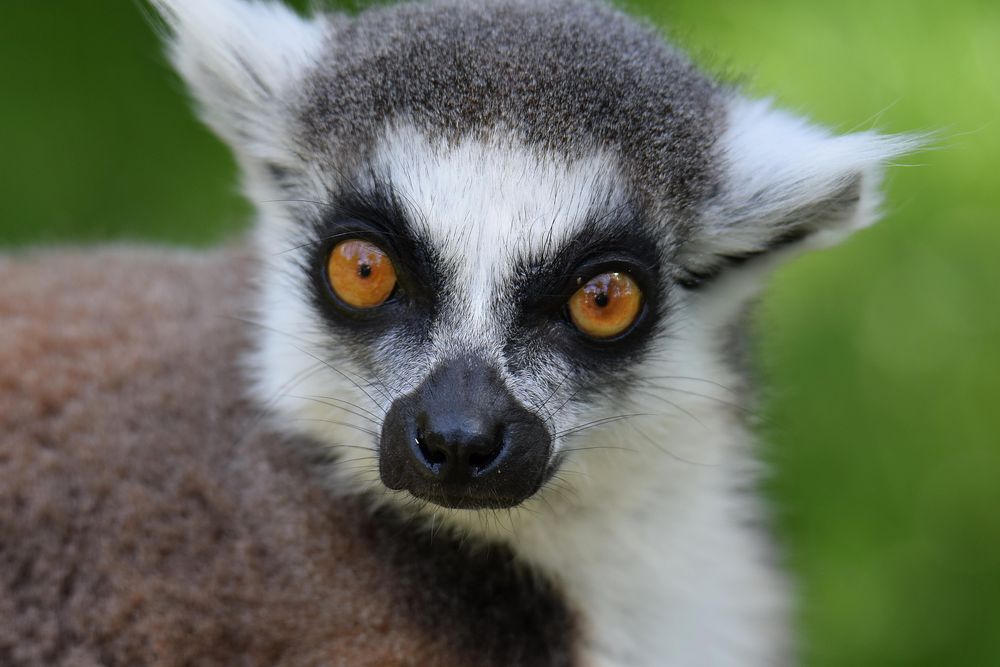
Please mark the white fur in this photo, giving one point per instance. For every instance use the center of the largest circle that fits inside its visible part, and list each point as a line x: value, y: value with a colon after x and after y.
x: 244, y: 62
x: 649, y: 529
x: 775, y: 165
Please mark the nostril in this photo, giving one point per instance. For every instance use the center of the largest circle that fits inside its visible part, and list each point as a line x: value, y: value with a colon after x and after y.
x: 484, y: 451
x: 434, y: 456
x: 480, y: 461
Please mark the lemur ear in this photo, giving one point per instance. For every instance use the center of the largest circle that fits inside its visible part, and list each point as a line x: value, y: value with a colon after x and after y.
x: 242, y: 60
x: 787, y: 183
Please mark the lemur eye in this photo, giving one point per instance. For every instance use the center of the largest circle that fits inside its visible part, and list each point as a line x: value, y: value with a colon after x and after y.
x: 606, y: 306
x: 361, y: 274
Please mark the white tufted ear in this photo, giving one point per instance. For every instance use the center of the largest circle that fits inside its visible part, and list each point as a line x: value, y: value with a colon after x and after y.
x: 787, y: 182
x: 242, y: 60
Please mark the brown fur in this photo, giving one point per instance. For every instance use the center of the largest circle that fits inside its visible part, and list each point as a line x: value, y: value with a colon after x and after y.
x: 146, y: 520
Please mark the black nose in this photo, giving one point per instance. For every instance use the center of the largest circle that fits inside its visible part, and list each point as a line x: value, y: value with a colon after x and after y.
x: 461, y: 439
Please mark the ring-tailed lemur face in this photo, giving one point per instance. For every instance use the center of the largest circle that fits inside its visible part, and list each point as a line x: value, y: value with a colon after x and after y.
x: 505, y: 239
x: 493, y: 300
x: 488, y: 299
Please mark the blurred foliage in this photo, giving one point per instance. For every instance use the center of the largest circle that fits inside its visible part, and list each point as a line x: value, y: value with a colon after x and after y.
x: 883, y: 354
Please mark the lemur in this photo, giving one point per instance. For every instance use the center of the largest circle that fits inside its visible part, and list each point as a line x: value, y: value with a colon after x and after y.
x: 501, y: 264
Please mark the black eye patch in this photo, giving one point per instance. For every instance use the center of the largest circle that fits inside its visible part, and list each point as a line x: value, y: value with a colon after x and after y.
x: 617, y: 241
x: 376, y: 215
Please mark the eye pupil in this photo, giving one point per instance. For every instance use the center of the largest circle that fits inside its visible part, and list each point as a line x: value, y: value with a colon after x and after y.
x: 601, y: 300
x: 365, y: 270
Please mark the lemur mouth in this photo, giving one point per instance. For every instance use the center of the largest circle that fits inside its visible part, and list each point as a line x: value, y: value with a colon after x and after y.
x: 466, y: 501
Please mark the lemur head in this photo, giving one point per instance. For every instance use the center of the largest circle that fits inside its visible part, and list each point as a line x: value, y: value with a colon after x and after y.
x: 504, y: 241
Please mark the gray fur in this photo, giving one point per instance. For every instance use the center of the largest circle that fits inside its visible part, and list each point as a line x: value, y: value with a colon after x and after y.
x: 563, y: 76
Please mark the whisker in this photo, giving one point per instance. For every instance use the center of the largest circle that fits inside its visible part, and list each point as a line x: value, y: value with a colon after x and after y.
x: 565, y: 403
x: 690, y: 379
x: 583, y: 449
x: 720, y: 401
x: 365, y: 459
x: 667, y: 452
x: 322, y: 400
x: 600, y: 422
x: 261, y: 325
x: 320, y: 360
x: 338, y: 423
x: 342, y: 374
x: 572, y: 471
x: 341, y: 445
x: 552, y: 395
x: 268, y: 405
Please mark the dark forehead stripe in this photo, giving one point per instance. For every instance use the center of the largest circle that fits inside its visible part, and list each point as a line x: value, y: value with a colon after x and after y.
x: 564, y: 76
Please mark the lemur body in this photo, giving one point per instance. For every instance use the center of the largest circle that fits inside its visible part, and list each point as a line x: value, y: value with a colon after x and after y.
x: 148, y: 516
x: 569, y: 221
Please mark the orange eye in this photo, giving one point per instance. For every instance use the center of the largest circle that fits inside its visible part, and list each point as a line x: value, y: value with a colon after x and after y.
x: 606, y: 306
x: 361, y: 274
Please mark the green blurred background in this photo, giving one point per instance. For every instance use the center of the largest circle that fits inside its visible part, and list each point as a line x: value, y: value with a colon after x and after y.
x: 883, y: 421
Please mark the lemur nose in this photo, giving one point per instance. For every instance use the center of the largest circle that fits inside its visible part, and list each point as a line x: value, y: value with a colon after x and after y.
x: 462, y: 440
x: 454, y: 448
